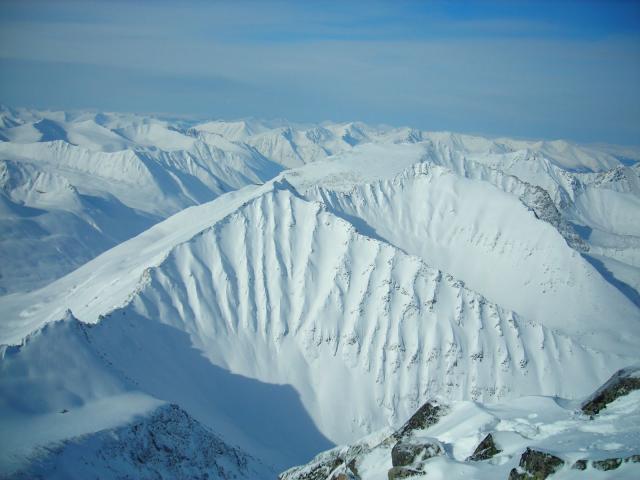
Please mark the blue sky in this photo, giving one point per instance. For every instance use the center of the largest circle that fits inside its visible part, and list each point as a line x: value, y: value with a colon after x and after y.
x: 554, y: 69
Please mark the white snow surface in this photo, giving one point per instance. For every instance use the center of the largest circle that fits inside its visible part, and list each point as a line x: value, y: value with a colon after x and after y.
x: 74, y: 171
x: 309, y: 270
x: 88, y: 182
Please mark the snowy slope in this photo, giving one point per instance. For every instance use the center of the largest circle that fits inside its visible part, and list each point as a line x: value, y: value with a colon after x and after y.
x: 270, y: 285
x: 69, y: 412
x: 145, y: 169
x: 384, y: 267
x: 166, y: 444
x: 53, y: 386
x: 448, y: 220
x: 93, y: 181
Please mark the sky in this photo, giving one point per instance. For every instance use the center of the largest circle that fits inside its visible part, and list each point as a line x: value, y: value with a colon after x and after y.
x: 530, y: 69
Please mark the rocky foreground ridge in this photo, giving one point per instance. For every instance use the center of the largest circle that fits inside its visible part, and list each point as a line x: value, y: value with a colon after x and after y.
x: 533, y: 438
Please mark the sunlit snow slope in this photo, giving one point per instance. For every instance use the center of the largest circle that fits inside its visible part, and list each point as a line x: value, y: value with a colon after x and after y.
x: 65, y: 177
x: 387, y: 267
x: 74, y: 185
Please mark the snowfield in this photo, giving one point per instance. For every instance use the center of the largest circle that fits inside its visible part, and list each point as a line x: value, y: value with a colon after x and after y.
x: 272, y: 290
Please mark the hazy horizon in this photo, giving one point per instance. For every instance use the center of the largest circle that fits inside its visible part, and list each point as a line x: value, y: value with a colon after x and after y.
x: 538, y: 70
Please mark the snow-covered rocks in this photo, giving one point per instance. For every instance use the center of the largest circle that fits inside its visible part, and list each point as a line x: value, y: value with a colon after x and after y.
x: 621, y: 383
x: 538, y: 437
x: 485, y: 450
x: 165, y: 444
x: 536, y: 465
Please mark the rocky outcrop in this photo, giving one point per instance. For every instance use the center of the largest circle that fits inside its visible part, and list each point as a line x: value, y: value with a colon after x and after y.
x: 408, y: 457
x: 426, y: 416
x: 485, y: 450
x: 606, y: 464
x: 336, y: 464
x: 621, y: 383
x: 166, y: 444
x: 411, y: 450
x: 405, y: 453
x: 403, y: 472
x: 536, y: 465
x: 579, y: 465
x: 613, y: 463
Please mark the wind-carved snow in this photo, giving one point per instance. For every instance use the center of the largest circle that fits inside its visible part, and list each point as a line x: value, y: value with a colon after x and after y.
x: 280, y: 290
x: 317, y: 306
x: 450, y: 226
x: 58, y: 198
x: 285, y: 292
x: 519, y: 261
x: 594, y: 195
x: 272, y: 286
x: 143, y: 169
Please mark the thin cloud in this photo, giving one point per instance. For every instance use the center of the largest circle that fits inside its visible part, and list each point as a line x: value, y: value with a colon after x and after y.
x: 396, y: 62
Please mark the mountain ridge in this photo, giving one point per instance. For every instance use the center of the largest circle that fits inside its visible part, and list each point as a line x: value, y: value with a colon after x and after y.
x: 388, y: 267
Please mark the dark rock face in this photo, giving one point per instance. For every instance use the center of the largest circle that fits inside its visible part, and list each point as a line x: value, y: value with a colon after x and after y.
x: 340, y: 476
x: 607, y: 464
x: 536, y: 465
x: 402, y: 472
x: 426, y: 416
x: 579, y: 465
x: 352, y: 466
x: 322, y: 470
x: 405, y: 453
x: 485, y: 450
x: 621, y: 383
x: 335, y: 465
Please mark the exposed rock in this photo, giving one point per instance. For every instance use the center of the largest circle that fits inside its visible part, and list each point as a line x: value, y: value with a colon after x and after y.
x: 405, y: 453
x: 340, y: 476
x: 536, y: 465
x: 580, y: 465
x: 426, y: 416
x: 336, y: 464
x: 346, y: 472
x: 352, y: 466
x: 607, y: 464
x: 485, y: 450
x: 319, y: 470
x: 633, y: 459
x: 621, y: 383
x: 165, y: 444
x: 402, y: 472
x: 540, y: 202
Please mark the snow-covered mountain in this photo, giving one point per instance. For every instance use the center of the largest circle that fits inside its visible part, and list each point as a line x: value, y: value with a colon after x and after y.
x: 165, y: 444
x: 65, y: 176
x: 73, y: 186
x: 89, y: 419
x: 323, y: 282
